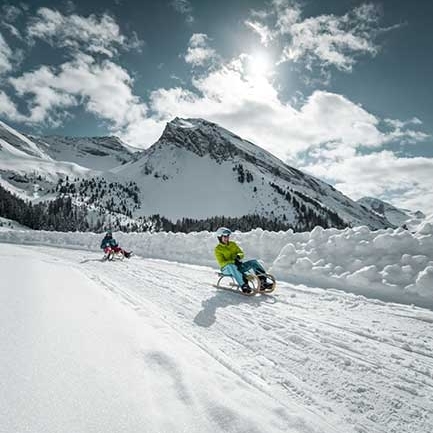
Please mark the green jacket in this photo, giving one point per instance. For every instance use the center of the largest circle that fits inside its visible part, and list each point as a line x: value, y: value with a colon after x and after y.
x: 225, y: 254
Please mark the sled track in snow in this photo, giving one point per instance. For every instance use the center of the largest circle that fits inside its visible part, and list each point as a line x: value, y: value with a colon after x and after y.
x: 364, y: 365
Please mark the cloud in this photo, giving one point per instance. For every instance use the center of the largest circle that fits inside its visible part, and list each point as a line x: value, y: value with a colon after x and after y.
x: 321, y: 41
x: 40, y: 87
x: 266, y: 35
x: 103, y: 89
x: 184, y: 7
x: 5, y: 56
x: 406, y: 182
x: 329, y: 41
x: 250, y: 106
x: 8, y: 108
x: 90, y: 79
x: 89, y: 34
x: 10, y: 13
x: 287, y: 14
x: 12, y: 29
x: 198, y: 52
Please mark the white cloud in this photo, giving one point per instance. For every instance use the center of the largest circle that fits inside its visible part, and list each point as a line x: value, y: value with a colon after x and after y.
x: 266, y: 35
x: 322, y: 41
x: 401, y: 123
x: 41, y: 86
x: 103, y: 89
x: 250, y: 106
x: 90, y: 34
x: 142, y: 133
x: 199, y: 52
x: 8, y: 108
x: 287, y: 13
x: 325, y: 40
x: 100, y: 87
x: 406, y: 182
x: 5, y: 56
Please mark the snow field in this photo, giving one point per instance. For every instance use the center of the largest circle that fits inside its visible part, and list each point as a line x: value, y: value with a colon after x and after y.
x: 391, y: 265
x: 303, y: 359
x: 77, y: 359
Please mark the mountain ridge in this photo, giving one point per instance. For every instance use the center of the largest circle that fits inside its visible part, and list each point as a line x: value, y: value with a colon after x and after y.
x: 196, y: 170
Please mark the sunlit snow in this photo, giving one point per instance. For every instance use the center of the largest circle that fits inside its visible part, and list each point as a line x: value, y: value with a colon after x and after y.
x: 148, y: 344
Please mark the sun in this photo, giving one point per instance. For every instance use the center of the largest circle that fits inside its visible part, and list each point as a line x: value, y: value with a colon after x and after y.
x: 259, y: 64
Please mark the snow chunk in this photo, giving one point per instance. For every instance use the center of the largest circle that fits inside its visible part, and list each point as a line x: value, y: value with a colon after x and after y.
x: 426, y: 229
x: 424, y: 283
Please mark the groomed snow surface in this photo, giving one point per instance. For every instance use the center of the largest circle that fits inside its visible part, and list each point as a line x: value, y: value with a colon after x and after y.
x: 149, y: 345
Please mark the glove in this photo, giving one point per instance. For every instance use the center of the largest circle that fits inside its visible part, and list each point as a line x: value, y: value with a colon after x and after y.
x: 238, y: 261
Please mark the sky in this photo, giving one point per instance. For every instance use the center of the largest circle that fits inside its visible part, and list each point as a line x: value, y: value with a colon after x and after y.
x: 339, y: 89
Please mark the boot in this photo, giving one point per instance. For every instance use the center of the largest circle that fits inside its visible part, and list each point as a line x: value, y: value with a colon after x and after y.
x: 264, y: 285
x: 246, y: 288
x: 262, y: 280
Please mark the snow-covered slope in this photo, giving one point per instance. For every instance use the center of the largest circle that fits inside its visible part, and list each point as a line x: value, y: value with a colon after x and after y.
x: 8, y: 224
x: 31, y: 166
x: 198, y: 169
x: 14, y: 143
x: 394, y: 215
x: 97, y: 153
x: 151, y: 344
x: 27, y: 170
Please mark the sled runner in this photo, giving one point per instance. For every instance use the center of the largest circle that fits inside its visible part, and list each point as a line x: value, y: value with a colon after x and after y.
x: 261, y: 283
x: 116, y: 255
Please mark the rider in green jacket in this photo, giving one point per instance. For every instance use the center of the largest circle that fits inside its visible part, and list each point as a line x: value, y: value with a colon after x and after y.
x: 229, y: 255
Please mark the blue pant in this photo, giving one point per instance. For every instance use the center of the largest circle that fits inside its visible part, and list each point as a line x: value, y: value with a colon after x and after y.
x: 237, y: 273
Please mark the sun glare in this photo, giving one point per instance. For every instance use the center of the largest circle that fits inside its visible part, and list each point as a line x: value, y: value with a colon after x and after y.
x: 259, y: 64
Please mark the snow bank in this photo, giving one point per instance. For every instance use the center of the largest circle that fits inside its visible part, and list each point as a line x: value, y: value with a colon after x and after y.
x: 392, y: 265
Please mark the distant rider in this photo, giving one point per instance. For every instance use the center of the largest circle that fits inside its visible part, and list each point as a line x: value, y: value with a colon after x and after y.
x: 229, y: 255
x: 109, y: 244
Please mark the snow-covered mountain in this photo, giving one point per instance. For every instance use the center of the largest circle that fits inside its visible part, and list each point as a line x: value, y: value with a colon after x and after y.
x: 16, y: 144
x: 27, y: 169
x: 394, y: 215
x: 97, y: 153
x: 198, y: 169
x: 31, y: 165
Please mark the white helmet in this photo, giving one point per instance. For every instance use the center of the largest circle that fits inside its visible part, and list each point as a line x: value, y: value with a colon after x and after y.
x: 223, y: 231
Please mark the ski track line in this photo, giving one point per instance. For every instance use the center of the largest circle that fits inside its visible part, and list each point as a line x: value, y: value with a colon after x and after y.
x: 315, y: 346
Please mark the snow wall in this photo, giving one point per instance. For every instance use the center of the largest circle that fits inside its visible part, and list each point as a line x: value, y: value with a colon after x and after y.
x: 391, y: 265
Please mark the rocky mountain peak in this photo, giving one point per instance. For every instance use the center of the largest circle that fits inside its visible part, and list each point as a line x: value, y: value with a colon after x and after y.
x: 203, y: 137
